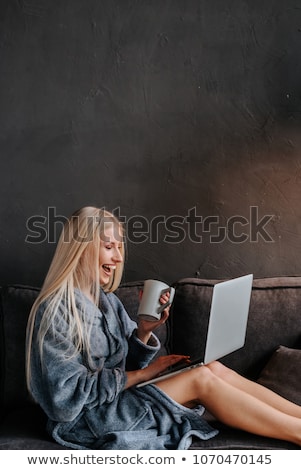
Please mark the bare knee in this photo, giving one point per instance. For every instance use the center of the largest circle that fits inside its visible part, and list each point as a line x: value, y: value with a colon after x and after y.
x: 191, y: 387
x: 204, y: 379
x: 207, y: 383
x: 219, y: 370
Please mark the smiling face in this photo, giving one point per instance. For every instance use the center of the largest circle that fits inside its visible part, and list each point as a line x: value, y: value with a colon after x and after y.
x: 110, y: 252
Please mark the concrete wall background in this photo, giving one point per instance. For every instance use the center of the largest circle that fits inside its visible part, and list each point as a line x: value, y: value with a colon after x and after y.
x: 159, y: 110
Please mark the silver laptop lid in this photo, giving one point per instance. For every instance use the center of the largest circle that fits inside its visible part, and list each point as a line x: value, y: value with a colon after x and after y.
x: 228, y: 317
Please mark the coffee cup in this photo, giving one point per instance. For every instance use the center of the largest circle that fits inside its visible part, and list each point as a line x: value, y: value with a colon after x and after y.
x: 150, y: 307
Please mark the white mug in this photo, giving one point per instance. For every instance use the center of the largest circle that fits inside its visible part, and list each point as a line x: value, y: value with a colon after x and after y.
x: 150, y: 307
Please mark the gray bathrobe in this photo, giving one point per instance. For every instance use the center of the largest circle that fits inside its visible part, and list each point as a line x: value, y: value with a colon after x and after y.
x: 87, y: 405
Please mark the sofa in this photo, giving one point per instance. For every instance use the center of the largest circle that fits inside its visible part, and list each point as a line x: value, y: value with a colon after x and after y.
x: 271, y: 354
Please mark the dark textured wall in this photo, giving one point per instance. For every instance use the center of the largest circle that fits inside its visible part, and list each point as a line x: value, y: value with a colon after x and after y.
x: 183, y: 116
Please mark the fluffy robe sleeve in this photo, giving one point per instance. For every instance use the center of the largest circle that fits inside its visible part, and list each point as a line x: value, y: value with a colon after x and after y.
x: 65, y: 386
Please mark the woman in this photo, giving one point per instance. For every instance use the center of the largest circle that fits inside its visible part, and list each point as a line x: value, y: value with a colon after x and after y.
x: 85, y: 356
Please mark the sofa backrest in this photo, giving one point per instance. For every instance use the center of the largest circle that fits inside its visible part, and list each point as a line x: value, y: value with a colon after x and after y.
x: 15, y: 304
x: 274, y: 319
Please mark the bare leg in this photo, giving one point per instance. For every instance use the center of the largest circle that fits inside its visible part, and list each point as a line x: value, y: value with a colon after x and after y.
x: 232, y: 405
x: 256, y: 390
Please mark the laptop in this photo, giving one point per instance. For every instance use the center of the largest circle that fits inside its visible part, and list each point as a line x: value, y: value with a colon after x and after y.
x: 227, y: 324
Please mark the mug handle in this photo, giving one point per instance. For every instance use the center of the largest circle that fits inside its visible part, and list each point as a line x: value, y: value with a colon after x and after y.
x: 171, y: 290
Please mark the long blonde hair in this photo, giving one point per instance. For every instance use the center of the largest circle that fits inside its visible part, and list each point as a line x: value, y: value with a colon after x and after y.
x: 75, y: 264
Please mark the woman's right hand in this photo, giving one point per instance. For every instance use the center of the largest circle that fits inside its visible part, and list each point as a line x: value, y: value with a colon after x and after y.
x: 154, y: 369
x: 163, y: 362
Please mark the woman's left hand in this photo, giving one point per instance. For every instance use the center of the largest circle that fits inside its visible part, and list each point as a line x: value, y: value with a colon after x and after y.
x: 145, y: 327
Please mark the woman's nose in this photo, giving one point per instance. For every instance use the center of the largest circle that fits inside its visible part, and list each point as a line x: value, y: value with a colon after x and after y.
x: 118, y: 256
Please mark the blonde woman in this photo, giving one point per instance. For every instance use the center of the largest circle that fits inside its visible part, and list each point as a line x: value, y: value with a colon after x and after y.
x: 85, y: 356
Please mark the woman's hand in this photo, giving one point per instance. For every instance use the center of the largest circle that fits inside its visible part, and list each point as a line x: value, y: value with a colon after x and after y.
x: 162, y: 363
x: 154, y: 369
x: 145, y: 327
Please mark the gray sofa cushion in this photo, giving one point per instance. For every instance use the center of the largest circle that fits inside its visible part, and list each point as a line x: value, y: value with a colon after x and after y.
x: 282, y: 373
x: 16, y: 302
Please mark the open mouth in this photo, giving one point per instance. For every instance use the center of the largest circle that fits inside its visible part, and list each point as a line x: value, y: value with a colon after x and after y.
x: 108, y: 268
